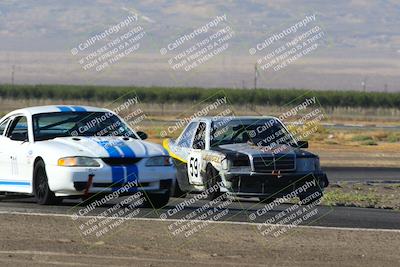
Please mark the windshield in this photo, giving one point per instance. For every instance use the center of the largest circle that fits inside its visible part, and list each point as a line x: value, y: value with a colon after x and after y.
x: 51, y: 125
x: 261, y: 132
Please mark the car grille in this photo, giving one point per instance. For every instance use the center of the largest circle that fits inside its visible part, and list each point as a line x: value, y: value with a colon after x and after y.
x: 120, y: 161
x: 80, y: 186
x: 241, y: 161
x: 274, y: 163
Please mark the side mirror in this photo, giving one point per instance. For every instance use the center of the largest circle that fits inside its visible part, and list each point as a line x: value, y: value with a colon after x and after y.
x: 302, y: 144
x: 142, y: 135
x: 19, y: 137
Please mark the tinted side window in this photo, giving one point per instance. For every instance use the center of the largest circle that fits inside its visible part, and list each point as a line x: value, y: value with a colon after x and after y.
x: 200, y: 137
x: 3, y: 126
x: 19, y: 127
x: 185, y: 140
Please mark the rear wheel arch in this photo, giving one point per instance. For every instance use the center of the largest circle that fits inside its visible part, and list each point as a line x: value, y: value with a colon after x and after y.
x: 211, y: 168
x: 210, y: 164
x: 211, y: 180
x: 208, y: 168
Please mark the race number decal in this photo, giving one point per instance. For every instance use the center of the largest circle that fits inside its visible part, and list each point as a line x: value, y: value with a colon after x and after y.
x: 194, y: 167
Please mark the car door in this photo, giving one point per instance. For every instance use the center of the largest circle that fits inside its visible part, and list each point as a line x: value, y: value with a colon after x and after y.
x: 4, y: 161
x: 17, y: 167
x: 184, y: 142
x: 195, y: 154
x: 180, y: 150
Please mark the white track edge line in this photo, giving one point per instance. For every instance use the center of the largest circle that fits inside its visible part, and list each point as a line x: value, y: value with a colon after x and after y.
x: 209, y: 221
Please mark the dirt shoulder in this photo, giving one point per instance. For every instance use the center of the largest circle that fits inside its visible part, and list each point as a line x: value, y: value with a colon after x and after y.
x: 380, y: 155
x: 42, y: 240
x: 365, y: 195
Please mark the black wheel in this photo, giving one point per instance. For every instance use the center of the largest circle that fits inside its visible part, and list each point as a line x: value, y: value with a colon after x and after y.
x: 155, y: 200
x: 212, y: 180
x: 178, y: 191
x: 311, y: 197
x: 41, y: 190
x: 266, y: 200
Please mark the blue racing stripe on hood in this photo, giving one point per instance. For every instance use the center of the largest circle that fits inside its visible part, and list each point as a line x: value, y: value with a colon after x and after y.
x: 128, y: 173
x: 111, y: 150
x: 117, y: 172
x: 128, y: 152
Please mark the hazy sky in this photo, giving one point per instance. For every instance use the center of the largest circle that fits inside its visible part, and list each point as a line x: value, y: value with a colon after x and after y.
x: 300, y: 44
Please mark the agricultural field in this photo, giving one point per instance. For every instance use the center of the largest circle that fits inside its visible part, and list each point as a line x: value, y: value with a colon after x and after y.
x: 160, y: 95
x: 337, y: 145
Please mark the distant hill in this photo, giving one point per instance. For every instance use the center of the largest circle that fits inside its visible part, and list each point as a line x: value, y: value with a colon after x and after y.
x: 362, y: 38
x: 365, y: 24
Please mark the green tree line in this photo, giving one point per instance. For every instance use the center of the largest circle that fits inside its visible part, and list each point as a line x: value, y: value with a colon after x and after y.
x: 171, y: 94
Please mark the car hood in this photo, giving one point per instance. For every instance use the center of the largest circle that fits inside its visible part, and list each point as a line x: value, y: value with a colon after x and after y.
x: 254, y: 151
x: 103, y: 147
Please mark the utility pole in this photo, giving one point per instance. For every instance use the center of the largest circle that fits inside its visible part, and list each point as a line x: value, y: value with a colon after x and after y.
x: 255, y: 87
x: 255, y: 76
x: 12, y: 75
x: 364, y: 84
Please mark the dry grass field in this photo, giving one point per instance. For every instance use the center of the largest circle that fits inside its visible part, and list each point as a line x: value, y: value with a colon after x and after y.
x: 337, y: 146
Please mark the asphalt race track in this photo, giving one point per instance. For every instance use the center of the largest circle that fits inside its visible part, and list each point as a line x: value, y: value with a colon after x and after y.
x: 239, y: 210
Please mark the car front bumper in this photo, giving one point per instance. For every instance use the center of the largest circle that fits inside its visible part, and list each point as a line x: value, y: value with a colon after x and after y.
x: 67, y: 181
x: 268, y: 184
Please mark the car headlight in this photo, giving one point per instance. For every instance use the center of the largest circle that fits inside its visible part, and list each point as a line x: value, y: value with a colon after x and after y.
x: 317, y: 164
x: 225, y: 164
x: 240, y: 169
x: 78, y: 162
x: 307, y: 164
x: 159, y: 161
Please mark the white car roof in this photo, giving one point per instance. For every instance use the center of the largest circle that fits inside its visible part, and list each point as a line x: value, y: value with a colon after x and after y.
x: 56, y: 108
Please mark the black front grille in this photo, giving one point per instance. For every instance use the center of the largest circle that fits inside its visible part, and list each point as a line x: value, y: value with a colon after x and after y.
x: 263, y: 164
x: 285, y: 162
x: 241, y: 161
x: 120, y: 161
x: 274, y: 163
x: 269, y: 184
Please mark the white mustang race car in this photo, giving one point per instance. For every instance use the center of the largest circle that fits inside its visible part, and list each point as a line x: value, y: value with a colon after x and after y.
x: 54, y: 152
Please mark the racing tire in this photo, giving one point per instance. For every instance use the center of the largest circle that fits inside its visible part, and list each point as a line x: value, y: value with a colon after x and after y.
x: 157, y: 201
x: 212, y: 179
x: 178, y: 193
x: 41, y: 190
